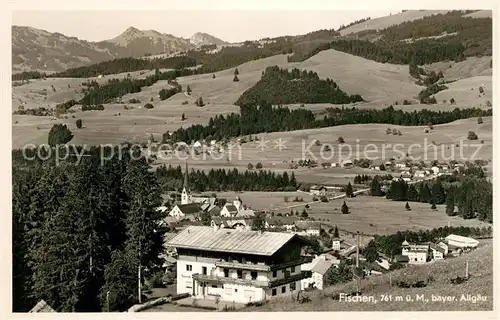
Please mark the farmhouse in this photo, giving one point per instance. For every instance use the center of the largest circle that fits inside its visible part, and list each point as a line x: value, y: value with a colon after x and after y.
x: 189, y: 211
x: 317, y: 190
x: 319, y: 268
x: 438, y: 252
x: 310, y: 228
x: 232, y: 223
x: 336, y: 242
x: 417, y: 254
x: 286, y: 223
x: 237, y: 265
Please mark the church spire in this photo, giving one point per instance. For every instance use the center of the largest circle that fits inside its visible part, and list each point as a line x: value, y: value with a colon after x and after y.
x: 186, y: 177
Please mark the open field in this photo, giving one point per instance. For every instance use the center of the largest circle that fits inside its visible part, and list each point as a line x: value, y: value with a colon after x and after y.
x: 480, y: 283
x: 481, y: 14
x: 471, y: 67
x: 385, y: 22
x: 466, y: 91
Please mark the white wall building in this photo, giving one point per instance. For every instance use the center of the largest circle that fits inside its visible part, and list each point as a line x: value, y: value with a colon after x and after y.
x: 417, y: 254
x: 319, y: 268
x: 238, y: 265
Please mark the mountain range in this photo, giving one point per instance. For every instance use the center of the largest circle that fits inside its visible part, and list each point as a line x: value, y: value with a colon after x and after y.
x: 35, y: 49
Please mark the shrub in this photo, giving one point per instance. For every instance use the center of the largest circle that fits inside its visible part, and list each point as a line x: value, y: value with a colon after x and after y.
x: 250, y: 166
x: 258, y: 166
x: 479, y: 120
x: 452, y: 101
x: 340, y: 140
x: 79, y: 123
x: 59, y: 134
x: 184, y: 102
x: 148, y: 106
x: 235, y: 79
x: 471, y: 135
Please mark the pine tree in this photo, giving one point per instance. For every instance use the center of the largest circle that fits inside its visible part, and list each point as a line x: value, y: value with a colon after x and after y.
x: 336, y: 232
x: 348, y: 191
x: 304, y: 214
x: 425, y: 193
x: 412, y: 193
x: 188, y: 89
x: 236, y: 72
x: 375, y: 187
x: 213, y: 76
x: 235, y: 79
x: 183, y: 117
x: 407, y: 207
x: 345, y: 208
x: 433, y: 204
x: 438, y: 192
x: 450, y: 204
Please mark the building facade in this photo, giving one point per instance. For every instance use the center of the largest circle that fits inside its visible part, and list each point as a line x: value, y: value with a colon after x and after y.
x: 417, y: 254
x: 238, y: 265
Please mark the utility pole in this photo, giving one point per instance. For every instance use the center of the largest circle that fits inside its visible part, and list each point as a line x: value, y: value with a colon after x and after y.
x: 139, y: 282
x: 357, y: 249
x: 107, y: 300
x: 467, y: 269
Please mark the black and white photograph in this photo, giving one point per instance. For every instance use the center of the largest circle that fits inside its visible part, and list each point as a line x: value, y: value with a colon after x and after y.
x: 251, y: 160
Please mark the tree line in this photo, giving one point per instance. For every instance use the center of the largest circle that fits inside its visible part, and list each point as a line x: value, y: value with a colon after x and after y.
x: 81, y: 232
x: 172, y: 178
x: 266, y: 118
x: 472, y: 195
x: 167, y: 93
x: 283, y: 86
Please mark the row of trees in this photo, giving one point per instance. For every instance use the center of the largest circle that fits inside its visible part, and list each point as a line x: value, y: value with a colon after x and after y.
x: 171, y: 178
x: 265, y: 118
x: 82, y: 232
x: 283, y: 86
x: 472, y: 196
x: 167, y: 93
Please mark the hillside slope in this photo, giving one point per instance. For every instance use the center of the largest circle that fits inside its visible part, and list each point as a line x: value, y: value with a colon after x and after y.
x: 480, y: 283
x: 384, y: 22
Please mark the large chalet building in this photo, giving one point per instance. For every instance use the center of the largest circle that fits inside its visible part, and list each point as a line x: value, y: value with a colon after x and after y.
x: 238, y: 265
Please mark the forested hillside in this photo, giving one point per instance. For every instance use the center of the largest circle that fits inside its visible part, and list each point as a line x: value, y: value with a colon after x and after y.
x: 280, y: 86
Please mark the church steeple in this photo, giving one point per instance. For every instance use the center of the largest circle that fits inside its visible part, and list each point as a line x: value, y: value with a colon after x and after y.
x: 186, y: 196
x: 186, y: 172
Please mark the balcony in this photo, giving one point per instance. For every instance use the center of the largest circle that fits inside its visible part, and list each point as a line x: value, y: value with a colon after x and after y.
x: 221, y: 280
x: 290, y: 278
x: 243, y: 266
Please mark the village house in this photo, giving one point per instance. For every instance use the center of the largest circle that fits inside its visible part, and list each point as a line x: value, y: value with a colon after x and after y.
x: 309, y: 228
x: 283, y: 222
x: 336, y: 244
x: 455, y: 245
x: 319, y: 268
x: 317, y: 190
x: 416, y: 253
x: 437, y: 252
x: 237, y: 265
x: 232, y: 223
x: 190, y: 211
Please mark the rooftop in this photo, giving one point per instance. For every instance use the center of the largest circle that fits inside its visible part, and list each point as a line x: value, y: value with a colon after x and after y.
x: 322, y: 266
x: 231, y: 240
x: 189, y: 208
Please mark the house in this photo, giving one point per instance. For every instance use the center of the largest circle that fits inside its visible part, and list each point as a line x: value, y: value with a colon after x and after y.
x: 419, y: 174
x: 347, y: 164
x: 276, y: 222
x: 232, y: 223
x: 400, y: 166
x: 238, y: 265
x: 384, y: 263
x: 229, y: 210
x: 317, y: 190
x: 319, y: 268
x: 41, y: 306
x: 437, y: 252
x: 336, y: 244
x: 186, y: 211
x: 435, y: 170
x: 417, y: 254
x: 310, y: 228
x: 401, y: 259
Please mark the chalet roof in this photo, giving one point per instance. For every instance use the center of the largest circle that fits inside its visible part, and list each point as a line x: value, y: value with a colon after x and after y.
x: 231, y: 208
x: 42, y: 306
x: 322, y: 266
x: 230, y: 240
x: 401, y: 258
x: 437, y: 248
x: 281, y: 220
x: 189, y: 208
x: 301, y: 224
x: 465, y: 241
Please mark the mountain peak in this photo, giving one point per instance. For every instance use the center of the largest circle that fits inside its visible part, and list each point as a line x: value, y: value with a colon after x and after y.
x: 202, y: 38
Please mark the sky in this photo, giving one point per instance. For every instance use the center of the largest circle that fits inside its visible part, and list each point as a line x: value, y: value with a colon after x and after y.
x: 231, y: 26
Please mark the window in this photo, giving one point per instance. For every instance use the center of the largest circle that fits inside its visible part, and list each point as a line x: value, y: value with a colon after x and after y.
x: 274, y: 292
x: 292, y: 286
x: 240, y: 274
x: 214, y: 286
x: 204, y: 270
x: 283, y: 289
x: 292, y: 269
x: 275, y: 274
x: 254, y: 275
x: 189, y: 267
x: 226, y: 272
x: 235, y: 290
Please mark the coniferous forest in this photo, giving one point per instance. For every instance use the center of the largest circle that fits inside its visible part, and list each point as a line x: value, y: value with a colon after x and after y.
x: 280, y: 86
x: 81, y: 232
